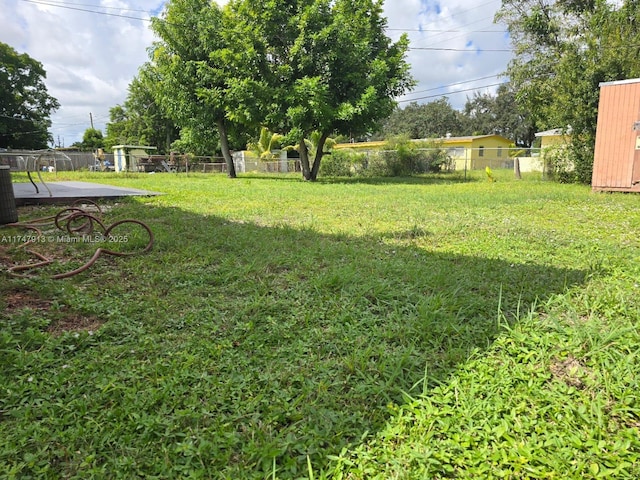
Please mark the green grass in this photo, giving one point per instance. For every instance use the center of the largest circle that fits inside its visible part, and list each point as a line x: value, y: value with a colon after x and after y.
x: 428, y: 327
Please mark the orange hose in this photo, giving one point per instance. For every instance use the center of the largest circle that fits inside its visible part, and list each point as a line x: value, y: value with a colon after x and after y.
x: 87, y: 226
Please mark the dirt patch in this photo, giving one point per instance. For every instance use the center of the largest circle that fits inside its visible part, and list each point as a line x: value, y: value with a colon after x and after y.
x: 16, y: 300
x: 63, y: 320
x: 75, y: 323
x: 571, y: 372
x: 5, y: 258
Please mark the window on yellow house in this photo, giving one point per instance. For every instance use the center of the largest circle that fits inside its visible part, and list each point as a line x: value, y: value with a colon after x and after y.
x: 481, y: 151
x: 499, y: 151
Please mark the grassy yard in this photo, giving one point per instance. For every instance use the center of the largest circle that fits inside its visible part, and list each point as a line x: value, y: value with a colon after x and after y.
x: 414, y: 328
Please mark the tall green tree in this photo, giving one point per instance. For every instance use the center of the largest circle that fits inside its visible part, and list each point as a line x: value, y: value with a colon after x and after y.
x: 512, y: 120
x: 563, y: 50
x: 141, y: 120
x: 25, y: 105
x: 151, y: 125
x: 428, y: 120
x: 118, y: 128
x: 480, y: 114
x: 207, y: 65
x: 499, y: 114
x: 331, y: 68
x: 92, y: 139
x: 180, y: 57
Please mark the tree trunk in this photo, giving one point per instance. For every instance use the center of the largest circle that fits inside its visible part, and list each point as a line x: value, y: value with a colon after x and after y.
x: 304, y: 160
x: 319, y: 154
x: 224, y: 145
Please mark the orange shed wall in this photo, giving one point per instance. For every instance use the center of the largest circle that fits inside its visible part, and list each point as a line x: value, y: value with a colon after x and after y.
x: 618, y: 110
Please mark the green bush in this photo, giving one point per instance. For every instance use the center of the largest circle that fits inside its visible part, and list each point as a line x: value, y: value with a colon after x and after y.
x: 560, y: 165
x: 405, y: 157
x: 376, y: 166
x: 336, y: 164
x: 437, y: 159
x: 343, y: 163
x: 582, y: 155
x: 400, y: 157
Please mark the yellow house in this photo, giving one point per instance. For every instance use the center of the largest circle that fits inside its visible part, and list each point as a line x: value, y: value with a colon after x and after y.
x: 477, y: 152
x: 473, y: 152
x: 551, y: 141
x: 553, y: 138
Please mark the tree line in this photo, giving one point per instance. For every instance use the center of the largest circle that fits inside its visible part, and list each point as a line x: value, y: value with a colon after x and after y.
x: 483, y: 114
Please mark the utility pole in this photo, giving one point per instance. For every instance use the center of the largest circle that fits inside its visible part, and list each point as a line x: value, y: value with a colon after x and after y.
x: 91, y: 118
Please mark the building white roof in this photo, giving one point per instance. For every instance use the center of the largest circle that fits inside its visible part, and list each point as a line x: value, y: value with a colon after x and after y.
x: 554, y: 132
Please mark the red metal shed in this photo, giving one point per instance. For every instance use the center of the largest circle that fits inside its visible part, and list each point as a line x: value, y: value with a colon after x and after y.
x: 616, y: 164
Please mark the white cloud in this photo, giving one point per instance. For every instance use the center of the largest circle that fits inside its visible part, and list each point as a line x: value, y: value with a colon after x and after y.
x: 91, y: 58
x: 456, y: 42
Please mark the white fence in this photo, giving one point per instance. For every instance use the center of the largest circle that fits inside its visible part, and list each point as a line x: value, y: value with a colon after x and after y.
x: 462, y: 159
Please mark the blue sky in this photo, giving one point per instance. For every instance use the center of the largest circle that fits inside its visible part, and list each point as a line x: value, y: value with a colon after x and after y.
x: 90, y: 58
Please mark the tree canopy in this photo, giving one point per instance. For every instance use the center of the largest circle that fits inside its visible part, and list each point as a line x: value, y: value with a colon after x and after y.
x: 141, y: 120
x: 499, y: 114
x: 92, y: 139
x: 433, y: 119
x: 25, y: 105
x: 305, y: 69
x: 206, y: 71
x: 331, y: 68
x: 483, y: 114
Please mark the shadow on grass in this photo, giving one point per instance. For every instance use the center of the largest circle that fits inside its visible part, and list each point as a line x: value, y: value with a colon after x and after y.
x: 233, y: 347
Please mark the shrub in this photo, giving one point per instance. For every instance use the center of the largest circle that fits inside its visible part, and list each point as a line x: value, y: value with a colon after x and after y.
x: 400, y: 157
x: 337, y: 164
x: 377, y: 166
x: 582, y: 155
x: 435, y: 158
x: 405, y: 157
x: 560, y: 165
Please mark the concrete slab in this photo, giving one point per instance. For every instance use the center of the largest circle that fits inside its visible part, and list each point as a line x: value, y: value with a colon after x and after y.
x: 66, y: 192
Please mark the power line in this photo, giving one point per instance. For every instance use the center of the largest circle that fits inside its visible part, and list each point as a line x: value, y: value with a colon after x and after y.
x: 96, y: 119
x: 452, y: 15
x: 20, y: 133
x: 456, y: 83
x: 62, y: 2
x: 88, y: 11
x: 442, y: 94
x: 74, y: 6
x: 17, y: 118
x: 429, y: 30
x: 461, y: 27
x: 474, y: 50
